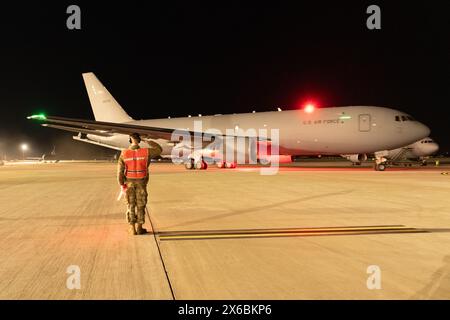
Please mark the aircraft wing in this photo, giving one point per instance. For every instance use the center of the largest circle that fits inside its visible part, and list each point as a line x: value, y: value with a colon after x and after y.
x: 74, y: 129
x: 108, y: 128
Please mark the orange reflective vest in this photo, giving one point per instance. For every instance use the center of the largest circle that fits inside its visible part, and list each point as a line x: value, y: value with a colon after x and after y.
x: 135, y: 163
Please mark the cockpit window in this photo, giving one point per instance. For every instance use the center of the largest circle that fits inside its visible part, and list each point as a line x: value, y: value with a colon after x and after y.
x: 404, y: 118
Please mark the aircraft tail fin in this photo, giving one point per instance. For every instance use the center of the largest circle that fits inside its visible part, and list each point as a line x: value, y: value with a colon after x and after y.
x: 103, y: 104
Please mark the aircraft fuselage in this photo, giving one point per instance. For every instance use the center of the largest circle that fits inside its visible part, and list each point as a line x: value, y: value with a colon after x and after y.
x: 325, y: 131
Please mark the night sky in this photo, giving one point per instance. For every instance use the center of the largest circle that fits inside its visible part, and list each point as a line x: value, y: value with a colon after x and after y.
x: 172, y: 59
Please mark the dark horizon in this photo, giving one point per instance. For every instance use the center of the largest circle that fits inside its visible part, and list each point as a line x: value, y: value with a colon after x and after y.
x: 159, y: 60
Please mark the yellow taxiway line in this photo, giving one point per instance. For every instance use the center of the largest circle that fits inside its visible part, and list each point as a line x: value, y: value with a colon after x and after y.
x: 289, y: 232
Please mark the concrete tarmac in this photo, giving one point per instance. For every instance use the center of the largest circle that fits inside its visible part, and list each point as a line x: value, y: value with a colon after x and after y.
x: 305, y: 233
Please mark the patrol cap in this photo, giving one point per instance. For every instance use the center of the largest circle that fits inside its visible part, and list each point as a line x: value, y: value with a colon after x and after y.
x: 135, y: 136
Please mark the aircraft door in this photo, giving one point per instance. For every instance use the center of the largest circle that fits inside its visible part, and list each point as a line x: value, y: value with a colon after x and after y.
x: 364, y: 122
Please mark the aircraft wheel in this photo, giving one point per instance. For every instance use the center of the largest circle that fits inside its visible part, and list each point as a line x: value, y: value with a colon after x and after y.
x: 220, y: 165
x: 380, y: 167
x: 201, y: 165
x: 230, y: 165
x: 189, y: 165
x: 198, y: 165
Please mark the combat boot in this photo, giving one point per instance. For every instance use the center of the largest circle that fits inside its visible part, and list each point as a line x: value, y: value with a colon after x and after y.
x: 132, y: 229
x: 140, y: 230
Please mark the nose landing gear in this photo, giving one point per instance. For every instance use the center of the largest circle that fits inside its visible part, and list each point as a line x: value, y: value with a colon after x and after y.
x: 380, y: 167
x: 380, y: 161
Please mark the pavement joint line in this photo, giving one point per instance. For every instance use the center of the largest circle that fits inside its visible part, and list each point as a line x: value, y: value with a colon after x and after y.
x: 160, y: 255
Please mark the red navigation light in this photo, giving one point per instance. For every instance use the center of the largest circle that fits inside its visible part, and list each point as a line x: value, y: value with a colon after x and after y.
x: 309, y: 108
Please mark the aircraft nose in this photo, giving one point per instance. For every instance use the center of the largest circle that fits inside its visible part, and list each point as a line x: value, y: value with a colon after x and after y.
x: 434, y: 147
x: 422, y: 130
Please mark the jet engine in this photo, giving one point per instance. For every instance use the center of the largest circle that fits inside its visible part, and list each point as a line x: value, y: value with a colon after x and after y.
x: 355, y: 158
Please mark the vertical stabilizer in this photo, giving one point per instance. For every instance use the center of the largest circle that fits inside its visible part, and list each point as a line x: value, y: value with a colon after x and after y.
x: 105, y: 107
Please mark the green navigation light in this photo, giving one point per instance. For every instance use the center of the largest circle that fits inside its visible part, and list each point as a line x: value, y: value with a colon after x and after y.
x: 38, y: 117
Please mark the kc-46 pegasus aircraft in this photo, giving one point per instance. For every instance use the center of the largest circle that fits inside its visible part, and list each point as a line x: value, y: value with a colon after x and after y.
x: 352, y: 131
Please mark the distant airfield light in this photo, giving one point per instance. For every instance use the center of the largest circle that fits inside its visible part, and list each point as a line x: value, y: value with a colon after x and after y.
x: 24, y: 148
x: 279, y: 109
x: 309, y: 108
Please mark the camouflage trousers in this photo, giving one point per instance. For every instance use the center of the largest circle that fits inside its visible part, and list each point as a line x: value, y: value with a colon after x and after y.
x: 136, y: 198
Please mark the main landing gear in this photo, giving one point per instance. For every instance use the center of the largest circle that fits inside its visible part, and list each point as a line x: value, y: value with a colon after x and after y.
x: 226, y: 165
x: 199, y: 164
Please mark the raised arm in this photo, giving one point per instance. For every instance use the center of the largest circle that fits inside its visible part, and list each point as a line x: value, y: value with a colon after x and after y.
x: 154, y: 150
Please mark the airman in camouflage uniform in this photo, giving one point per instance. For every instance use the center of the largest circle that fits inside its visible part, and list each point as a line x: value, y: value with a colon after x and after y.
x: 136, y: 186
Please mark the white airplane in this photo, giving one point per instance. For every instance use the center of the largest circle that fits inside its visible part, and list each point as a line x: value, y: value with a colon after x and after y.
x: 46, y: 157
x: 353, y: 131
x: 417, y: 151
